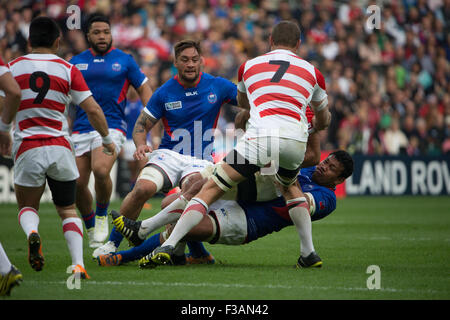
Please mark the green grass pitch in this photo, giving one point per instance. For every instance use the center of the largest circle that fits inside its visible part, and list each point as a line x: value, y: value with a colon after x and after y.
x: 408, y: 238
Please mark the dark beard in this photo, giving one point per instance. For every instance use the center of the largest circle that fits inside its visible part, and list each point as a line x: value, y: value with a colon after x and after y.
x: 98, y: 50
x: 188, y: 80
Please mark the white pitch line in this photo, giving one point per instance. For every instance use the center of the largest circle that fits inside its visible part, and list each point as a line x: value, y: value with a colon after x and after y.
x: 232, y: 285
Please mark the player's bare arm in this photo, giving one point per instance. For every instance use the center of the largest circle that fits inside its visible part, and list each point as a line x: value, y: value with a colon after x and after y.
x: 12, y: 97
x: 242, y: 100
x: 97, y: 119
x: 241, y: 119
x: 312, y: 153
x: 142, y: 127
x: 145, y: 92
x: 322, y: 114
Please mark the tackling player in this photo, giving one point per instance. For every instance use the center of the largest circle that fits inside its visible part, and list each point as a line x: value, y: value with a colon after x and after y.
x: 42, y: 148
x: 108, y: 72
x: 238, y: 222
x: 188, y: 105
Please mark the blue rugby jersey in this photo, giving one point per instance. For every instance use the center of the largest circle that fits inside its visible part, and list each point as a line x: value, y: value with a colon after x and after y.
x: 271, y: 216
x: 190, y: 115
x: 108, y: 77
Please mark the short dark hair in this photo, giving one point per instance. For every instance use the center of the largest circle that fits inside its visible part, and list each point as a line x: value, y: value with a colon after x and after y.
x: 286, y: 33
x: 43, y: 32
x: 346, y: 160
x: 96, y: 17
x: 184, y: 44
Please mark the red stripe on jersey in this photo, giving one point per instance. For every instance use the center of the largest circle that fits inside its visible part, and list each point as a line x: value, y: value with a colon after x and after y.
x: 283, y: 83
x: 61, y: 61
x: 56, y: 83
x: 123, y: 92
x: 77, y: 80
x: 281, y: 112
x: 167, y: 127
x: 320, y: 79
x: 28, y: 144
x: 241, y: 72
x: 41, y: 122
x: 293, y: 69
x: 46, y: 103
x: 309, y: 114
x: 277, y: 96
x: 71, y: 226
x: 1, y: 62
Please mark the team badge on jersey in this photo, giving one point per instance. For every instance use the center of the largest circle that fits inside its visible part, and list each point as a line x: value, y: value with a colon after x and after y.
x: 82, y: 66
x: 116, y: 66
x: 173, y: 105
x: 212, y: 98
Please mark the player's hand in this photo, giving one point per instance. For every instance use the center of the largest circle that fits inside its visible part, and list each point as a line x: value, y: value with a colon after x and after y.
x: 5, y: 143
x: 109, y: 149
x: 141, y: 151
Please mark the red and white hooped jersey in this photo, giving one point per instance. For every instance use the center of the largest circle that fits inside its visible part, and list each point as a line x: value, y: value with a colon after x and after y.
x: 279, y: 87
x: 48, y: 84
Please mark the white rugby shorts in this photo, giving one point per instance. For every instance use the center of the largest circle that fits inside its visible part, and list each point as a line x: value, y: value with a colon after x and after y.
x: 86, y: 142
x: 56, y: 162
x: 175, y: 165
x: 261, y: 151
x: 231, y: 222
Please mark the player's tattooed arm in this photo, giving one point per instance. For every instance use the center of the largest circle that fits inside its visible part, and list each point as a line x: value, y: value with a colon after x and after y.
x: 142, y: 127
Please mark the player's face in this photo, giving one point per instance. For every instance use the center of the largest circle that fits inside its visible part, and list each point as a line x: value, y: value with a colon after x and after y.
x: 327, y: 172
x: 188, y: 64
x: 99, y: 37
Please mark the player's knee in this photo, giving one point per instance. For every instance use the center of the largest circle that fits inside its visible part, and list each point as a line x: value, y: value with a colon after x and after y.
x: 101, y: 173
x: 144, y: 191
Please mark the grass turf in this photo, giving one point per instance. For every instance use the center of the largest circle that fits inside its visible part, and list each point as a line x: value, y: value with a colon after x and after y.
x: 407, y: 237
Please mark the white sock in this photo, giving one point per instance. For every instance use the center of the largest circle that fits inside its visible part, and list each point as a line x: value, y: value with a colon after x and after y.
x: 5, y: 264
x: 169, y: 214
x: 28, y: 220
x: 72, y: 229
x: 192, y: 215
x: 299, y: 213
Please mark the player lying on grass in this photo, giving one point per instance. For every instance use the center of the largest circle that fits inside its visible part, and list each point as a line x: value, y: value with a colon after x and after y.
x: 235, y: 222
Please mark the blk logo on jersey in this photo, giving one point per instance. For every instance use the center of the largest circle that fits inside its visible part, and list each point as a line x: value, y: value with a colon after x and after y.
x: 172, y: 105
x: 191, y: 93
x: 212, y: 98
x: 116, y: 66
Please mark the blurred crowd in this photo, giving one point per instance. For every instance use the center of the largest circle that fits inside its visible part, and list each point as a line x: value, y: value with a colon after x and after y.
x: 388, y: 86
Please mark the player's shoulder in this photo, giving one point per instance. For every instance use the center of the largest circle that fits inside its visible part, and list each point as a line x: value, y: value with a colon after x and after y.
x: 216, y: 80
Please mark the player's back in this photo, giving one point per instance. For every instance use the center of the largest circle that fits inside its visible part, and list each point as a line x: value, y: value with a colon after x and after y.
x: 279, y: 85
x: 48, y: 84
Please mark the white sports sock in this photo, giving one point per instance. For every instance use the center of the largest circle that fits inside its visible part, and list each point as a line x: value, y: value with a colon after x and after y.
x: 5, y: 264
x: 72, y: 229
x: 28, y: 220
x: 299, y: 213
x: 192, y: 215
x: 169, y: 214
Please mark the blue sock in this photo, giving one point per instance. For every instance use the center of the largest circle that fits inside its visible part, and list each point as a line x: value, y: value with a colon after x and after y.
x: 116, y: 237
x: 101, y: 209
x: 197, y: 249
x: 138, y: 252
x: 89, y: 220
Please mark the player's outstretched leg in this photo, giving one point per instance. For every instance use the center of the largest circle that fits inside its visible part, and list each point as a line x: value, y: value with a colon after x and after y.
x: 127, y: 227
